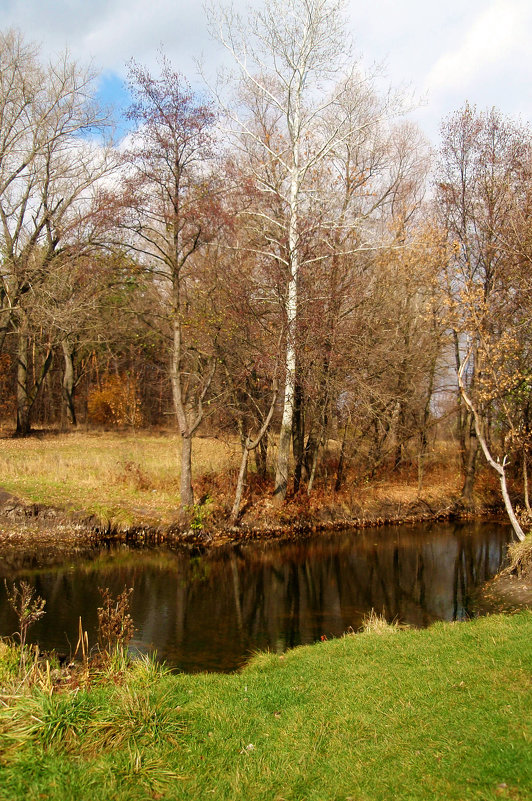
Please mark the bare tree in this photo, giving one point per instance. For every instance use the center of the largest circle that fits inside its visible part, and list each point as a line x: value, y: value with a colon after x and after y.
x: 169, y: 210
x: 49, y: 168
x: 479, y: 185
x: 295, y: 79
x: 497, y: 465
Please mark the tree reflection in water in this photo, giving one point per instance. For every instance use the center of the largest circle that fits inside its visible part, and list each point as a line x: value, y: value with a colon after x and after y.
x: 209, y: 612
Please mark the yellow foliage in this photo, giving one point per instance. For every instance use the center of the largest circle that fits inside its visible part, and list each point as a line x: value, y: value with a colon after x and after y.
x: 116, y: 402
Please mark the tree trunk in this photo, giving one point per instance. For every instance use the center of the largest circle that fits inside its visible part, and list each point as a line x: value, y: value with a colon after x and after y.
x: 312, y: 445
x: 470, y: 465
x: 423, y: 438
x: 68, y: 408
x: 314, y: 465
x: 420, y: 461
x: 525, y: 482
x: 240, y: 484
x: 499, y: 468
x: 186, y: 491
x: 251, y: 445
x: 23, y: 398
x: 341, y: 462
x: 189, y: 416
x: 394, y: 434
x: 185, y: 487
x: 261, y: 457
x: 298, y: 434
x: 283, y: 456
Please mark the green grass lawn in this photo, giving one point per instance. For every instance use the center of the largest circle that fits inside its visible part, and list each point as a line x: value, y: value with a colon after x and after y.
x: 444, y: 713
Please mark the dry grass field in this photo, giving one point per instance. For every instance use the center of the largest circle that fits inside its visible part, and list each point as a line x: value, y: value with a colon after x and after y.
x: 120, y: 476
x: 132, y: 477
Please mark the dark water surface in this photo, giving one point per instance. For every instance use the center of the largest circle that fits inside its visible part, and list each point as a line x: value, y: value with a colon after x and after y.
x: 210, y: 611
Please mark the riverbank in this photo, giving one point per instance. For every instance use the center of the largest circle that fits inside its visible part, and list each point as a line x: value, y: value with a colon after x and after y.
x: 511, y: 589
x: 64, y: 493
x: 445, y: 712
x: 72, y: 487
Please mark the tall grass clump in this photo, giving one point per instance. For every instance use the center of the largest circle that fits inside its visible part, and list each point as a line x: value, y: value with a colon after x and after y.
x: 520, y: 556
x: 373, y: 623
x: 106, y: 701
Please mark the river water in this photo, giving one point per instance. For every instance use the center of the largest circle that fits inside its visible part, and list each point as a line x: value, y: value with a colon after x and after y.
x: 211, y: 611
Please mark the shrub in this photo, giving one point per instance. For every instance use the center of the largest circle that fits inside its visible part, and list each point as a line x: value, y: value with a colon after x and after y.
x: 116, y: 402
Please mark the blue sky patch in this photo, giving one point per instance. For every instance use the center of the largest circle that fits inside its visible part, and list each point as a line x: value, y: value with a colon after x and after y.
x: 113, y: 93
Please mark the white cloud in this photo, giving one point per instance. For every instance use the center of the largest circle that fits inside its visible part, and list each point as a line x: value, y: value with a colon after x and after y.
x: 496, y: 34
x: 457, y: 49
x: 110, y: 32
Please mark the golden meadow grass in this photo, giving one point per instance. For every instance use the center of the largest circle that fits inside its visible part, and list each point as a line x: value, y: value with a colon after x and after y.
x: 133, y: 477
x: 111, y: 474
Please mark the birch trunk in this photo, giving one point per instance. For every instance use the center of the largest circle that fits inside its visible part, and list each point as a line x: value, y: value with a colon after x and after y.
x: 497, y: 466
x: 285, y: 437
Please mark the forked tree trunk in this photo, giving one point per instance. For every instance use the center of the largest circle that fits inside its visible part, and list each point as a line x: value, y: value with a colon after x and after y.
x: 187, y: 426
x: 247, y: 446
x: 26, y: 397
x: 497, y: 466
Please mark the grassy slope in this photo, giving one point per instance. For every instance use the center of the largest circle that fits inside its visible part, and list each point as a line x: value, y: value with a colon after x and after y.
x: 443, y: 713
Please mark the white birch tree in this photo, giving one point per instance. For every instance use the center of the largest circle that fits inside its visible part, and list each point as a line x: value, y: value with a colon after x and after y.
x: 295, y: 79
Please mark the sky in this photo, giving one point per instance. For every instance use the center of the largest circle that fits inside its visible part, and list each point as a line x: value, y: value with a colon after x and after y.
x: 447, y: 52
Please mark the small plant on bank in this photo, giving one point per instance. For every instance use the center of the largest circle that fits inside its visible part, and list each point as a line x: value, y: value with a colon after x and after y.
x: 28, y: 607
x: 115, y: 624
x: 199, y: 513
x: 373, y: 623
x: 134, y: 476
